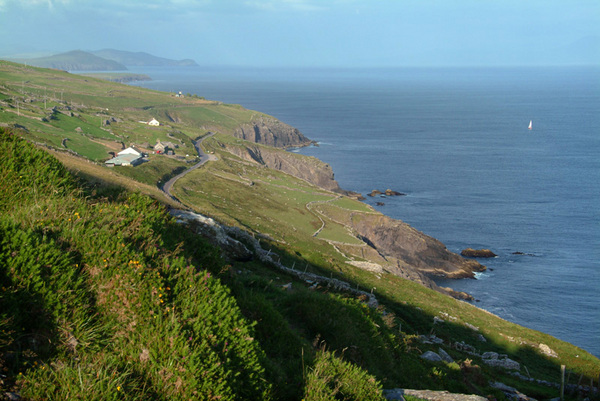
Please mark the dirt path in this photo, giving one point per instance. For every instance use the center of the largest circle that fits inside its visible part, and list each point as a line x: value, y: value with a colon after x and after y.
x: 166, y: 188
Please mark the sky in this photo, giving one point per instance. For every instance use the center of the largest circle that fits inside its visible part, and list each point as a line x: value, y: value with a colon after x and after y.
x: 312, y: 33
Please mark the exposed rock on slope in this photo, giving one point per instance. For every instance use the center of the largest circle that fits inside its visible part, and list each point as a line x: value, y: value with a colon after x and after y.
x: 307, y: 168
x: 272, y: 132
x: 396, y: 239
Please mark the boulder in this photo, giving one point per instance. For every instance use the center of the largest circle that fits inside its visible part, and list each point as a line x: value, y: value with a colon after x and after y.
x: 431, y: 395
x: 431, y: 356
x: 445, y: 356
x: 544, y: 349
x: 215, y: 234
x: 505, y: 363
x: 511, y: 392
x: 490, y: 355
x: 477, y: 253
x: 375, y: 192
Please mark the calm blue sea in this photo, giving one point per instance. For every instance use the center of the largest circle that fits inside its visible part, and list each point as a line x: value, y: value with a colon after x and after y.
x: 456, y: 142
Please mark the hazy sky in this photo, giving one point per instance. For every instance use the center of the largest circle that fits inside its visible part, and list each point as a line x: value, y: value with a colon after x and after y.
x: 312, y: 32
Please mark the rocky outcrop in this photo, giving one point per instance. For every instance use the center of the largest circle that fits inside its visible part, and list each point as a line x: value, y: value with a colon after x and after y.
x: 307, y: 168
x: 500, y: 361
x: 214, y: 232
x: 388, y: 192
x: 411, y: 249
x: 272, y: 132
x: 478, y: 253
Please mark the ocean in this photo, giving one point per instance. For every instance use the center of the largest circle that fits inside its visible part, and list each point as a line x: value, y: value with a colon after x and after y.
x: 456, y: 142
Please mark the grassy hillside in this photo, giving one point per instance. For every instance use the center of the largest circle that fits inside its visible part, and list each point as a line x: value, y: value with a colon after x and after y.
x: 92, y: 117
x: 104, y: 296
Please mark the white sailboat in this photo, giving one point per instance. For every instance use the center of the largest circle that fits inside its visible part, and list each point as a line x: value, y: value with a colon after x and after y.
x: 530, y: 124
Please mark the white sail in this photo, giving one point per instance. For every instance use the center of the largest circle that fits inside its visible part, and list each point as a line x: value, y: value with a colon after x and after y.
x: 530, y: 124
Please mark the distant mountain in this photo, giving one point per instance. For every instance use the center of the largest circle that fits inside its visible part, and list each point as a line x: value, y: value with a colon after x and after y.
x: 102, y: 60
x: 141, y: 59
x: 76, y: 60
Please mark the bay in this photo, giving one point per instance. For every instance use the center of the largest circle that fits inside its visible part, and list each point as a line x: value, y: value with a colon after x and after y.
x: 455, y: 140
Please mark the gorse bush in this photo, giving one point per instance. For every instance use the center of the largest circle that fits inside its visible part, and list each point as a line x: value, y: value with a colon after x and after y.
x: 109, y: 299
x: 331, y: 378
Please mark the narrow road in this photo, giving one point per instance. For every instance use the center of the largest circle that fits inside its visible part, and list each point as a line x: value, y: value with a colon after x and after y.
x: 166, y: 188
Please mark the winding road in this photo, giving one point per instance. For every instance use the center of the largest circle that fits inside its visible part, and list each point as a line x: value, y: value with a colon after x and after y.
x: 166, y: 188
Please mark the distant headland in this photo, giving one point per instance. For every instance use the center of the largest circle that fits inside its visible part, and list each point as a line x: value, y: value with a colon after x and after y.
x: 103, y: 60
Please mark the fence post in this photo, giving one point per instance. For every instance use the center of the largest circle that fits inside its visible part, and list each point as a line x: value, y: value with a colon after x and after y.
x: 562, y: 382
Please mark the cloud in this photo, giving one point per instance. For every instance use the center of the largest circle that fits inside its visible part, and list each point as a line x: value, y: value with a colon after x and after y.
x: 32, y: 3
x: 284, y: 5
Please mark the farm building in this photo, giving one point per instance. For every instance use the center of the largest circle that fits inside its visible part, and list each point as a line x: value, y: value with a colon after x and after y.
x: 124, y: 160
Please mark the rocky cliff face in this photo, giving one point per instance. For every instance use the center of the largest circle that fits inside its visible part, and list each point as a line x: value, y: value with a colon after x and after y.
x: 272, y: 132
x: 411, y: 249
x: 307, y: 168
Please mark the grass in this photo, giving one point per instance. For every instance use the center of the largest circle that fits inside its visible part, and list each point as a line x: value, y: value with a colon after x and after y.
x: 131, y: 327
x: 92, y: 284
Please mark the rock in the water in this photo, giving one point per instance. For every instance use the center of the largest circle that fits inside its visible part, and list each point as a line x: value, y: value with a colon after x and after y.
x: 375, y: 192
x: 389, y: 192
x: 478, y: 253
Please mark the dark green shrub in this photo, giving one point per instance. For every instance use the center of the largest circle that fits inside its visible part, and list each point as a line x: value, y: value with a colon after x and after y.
x: 331, y: 378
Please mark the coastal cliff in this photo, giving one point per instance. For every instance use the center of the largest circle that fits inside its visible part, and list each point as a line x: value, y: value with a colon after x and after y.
x: 306, y: 168
x: 387, y: 244
x: 394, y: 238
x: 272, y: 132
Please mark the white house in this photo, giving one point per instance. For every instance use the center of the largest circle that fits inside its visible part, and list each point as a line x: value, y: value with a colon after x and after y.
x: 154, y: 122
x: 130, y: 151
